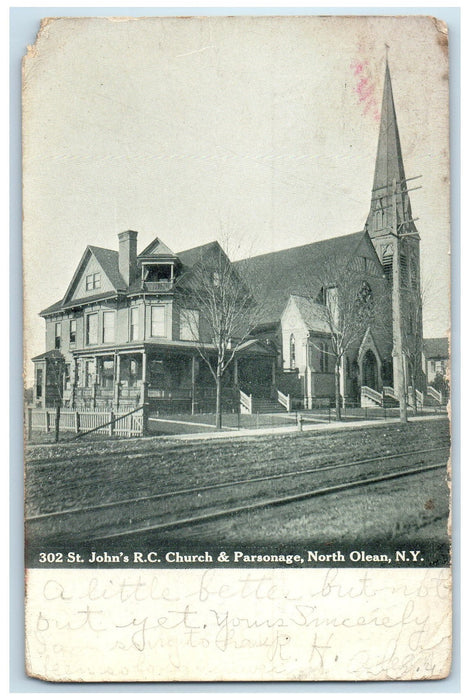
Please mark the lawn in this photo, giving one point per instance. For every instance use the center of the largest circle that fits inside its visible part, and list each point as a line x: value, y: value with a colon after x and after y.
x: 83, y: 474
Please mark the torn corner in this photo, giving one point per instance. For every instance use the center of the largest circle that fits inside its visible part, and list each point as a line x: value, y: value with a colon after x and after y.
x: 32, y: 50
x: 442, y: 33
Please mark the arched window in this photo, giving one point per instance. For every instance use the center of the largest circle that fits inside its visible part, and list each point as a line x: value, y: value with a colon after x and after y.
x: 292, y: 351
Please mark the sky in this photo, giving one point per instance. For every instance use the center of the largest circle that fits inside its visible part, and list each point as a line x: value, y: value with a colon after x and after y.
x: 258, y: 129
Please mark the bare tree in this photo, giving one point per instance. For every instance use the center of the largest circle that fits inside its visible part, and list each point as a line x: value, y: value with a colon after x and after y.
x: 347, y: 305
x: 219, y: 307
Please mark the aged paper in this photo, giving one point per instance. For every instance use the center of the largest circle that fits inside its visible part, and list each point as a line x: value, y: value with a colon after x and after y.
x: 236, y: 293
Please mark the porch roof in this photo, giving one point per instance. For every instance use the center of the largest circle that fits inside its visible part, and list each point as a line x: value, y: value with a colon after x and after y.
x: 49, y: 355
x: 251, y: 346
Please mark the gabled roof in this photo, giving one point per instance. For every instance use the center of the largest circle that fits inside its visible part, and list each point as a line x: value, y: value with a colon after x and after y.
x: 157, y: 248
x: 193, y: 255
x: 311, y: 313
x: 279, y: 275
x: 107, y: 259
x: 436, y: 348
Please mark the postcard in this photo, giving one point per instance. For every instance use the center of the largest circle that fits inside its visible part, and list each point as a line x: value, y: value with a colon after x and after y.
x: 237, y: 336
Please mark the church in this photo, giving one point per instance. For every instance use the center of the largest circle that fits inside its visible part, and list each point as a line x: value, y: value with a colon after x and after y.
x: 119, y: 337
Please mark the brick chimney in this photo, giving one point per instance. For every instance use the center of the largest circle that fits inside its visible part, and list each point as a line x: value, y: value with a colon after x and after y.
x: 128, y: 255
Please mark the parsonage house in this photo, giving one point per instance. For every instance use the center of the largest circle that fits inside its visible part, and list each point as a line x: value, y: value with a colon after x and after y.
x: 119, y: 337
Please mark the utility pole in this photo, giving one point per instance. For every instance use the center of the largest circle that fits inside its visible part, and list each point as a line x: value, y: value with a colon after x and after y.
x: 396, y: 310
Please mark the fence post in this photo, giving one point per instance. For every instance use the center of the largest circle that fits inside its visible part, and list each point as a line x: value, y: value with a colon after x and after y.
x: 48, y: 422
x: 145, y: 419
x: 57, y: 423
x: 111, y: 422
x: 300, y: 422
x: 77, y: 422
x: 30, y: 423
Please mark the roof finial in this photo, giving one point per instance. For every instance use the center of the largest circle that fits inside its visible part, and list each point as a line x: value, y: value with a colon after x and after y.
x: 387, y: 47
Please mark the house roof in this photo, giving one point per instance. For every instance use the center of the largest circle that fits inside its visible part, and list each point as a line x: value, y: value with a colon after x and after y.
x: 193, y: 255
x: 279, y: 275
x: 61, y: 305
x: 49, y: 355
x: 109, y: 261
x: 436, y: 348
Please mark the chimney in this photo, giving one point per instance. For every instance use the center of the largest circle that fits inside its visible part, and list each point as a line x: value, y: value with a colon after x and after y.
x: 128, y: 255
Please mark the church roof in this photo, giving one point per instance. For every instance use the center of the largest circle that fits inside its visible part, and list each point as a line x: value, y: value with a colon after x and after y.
x: 279, y: 275
x: 389, y: 166
x: 311, y: 313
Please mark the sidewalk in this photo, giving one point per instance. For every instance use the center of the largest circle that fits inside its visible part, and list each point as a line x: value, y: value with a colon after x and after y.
x: 306, y: 428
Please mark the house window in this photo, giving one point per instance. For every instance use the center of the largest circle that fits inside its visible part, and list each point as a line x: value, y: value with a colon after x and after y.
x: 433, y: 365
x: 108, y: 326
x: 39, y: 383
x: 93, y: 281
x: 134, y: 323
x: 292, y: 351
x: 189, y: 324
x: 158, y: 321
x: 92, y: 329
x: 73, y: 332
x: 67, y: 377
x: 57, y: 335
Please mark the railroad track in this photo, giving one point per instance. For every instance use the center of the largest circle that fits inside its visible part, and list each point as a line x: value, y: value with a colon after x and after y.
x: 198, y: 504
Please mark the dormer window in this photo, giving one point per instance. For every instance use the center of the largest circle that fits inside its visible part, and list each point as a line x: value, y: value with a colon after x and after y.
x: 93, y: 281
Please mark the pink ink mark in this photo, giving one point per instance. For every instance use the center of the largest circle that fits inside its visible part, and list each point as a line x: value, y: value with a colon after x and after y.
x: 365, y: 88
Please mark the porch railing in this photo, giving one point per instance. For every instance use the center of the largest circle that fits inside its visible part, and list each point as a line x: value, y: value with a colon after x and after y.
x: 371, y: 395
x: 284, y: 400
x: 436, y: 395
x: 389, y: 391
x: 246, y: 402
x: 159, y: 286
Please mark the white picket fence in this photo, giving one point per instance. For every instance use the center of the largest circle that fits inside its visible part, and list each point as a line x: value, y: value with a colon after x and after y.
x: 120, y: 423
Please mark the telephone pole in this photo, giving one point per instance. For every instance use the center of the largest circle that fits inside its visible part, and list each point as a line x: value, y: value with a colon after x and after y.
x: 396, y: 311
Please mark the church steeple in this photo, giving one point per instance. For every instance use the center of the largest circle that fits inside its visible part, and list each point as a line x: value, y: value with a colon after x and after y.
x: 389, y: 168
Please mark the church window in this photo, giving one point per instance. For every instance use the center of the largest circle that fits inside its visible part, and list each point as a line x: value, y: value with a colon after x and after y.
x: 387, y: 263
x: 292, y: 351
x: 404, y: 269
x: 414, y: 273
x: 323, y: 357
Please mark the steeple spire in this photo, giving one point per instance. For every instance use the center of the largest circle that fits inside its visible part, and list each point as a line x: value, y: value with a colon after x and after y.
x: 389, y: 168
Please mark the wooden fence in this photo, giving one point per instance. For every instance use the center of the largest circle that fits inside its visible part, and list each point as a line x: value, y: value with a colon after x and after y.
x: 121, y: 423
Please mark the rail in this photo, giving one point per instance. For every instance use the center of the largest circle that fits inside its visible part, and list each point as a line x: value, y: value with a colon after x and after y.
x: 371, y: 394
x: 389, y: 391
x: 246, y: 402
x: 437, y: 395
x: 285, y: 400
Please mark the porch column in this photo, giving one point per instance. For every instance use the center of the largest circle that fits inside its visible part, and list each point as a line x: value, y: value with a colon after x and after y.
x: 235, y: 371
x: 274, y: 369
x: 117, y: 380
x: 144, y: 384
x: 193, y: 384
x: 308, y: 379
x: 74, y: 379
x: 94, y: 388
